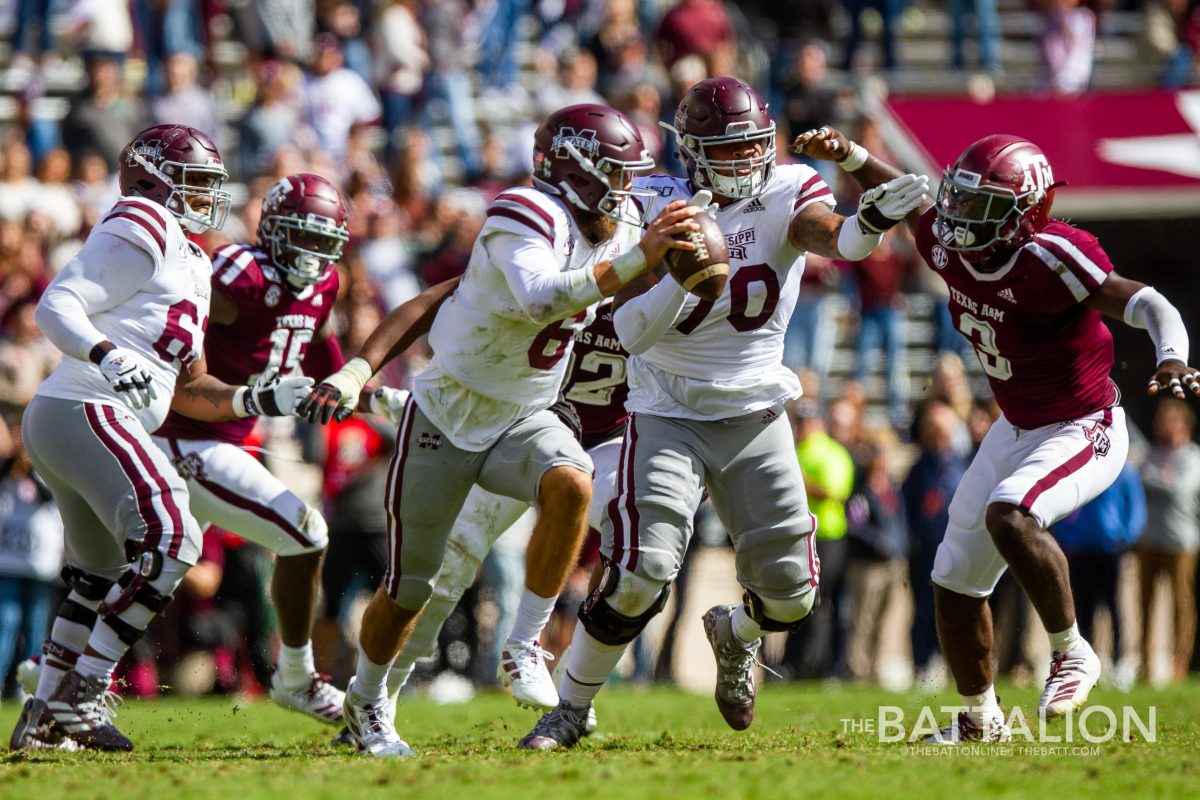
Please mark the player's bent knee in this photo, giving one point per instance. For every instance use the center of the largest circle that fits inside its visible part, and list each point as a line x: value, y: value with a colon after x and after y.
x: 412, y: 593
x: 780, y: 614
x: 621, y: 605
x: 565, y: 487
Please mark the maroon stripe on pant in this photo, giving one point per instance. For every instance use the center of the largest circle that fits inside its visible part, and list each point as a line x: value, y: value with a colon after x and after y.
x: 394, y: 490
x: 614, y: 505
x: 142, y: 492
x: 267, y: 513
x: 631, y: 497
x: 1066, y: 469
x: 164, y: 490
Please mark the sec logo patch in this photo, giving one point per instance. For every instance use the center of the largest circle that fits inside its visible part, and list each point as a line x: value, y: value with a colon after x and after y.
x: 939, y: 256
x: 272, y: 298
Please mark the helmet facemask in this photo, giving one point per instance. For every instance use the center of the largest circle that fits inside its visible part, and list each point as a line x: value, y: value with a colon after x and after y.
x: 613, y: 174
x: 305, y: 249
x: 188, y: 183
x: 974, y: 218
x: 735, y: 178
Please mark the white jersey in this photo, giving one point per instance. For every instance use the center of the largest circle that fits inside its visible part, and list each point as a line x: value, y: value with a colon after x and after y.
x: 724, y: 359
x: 501, y: 342
x: 161, y: 317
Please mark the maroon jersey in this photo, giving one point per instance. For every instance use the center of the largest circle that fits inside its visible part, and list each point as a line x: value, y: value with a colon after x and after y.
x: 273, y: 328
x: 1047, y: 356
x: 595, y: 382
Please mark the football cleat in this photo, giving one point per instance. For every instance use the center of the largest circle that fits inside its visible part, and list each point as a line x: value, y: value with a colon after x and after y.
x: 523, y: 667
x: 82, y: 708
x: 735, y: 662
x: 371, y: 728
x: 1072, y: 676
x: 36, y: 730
x: 966, y: 729
x: 343, y: 739
x: 561, y: 728
x: 29, y: 672
x: 320, y: 700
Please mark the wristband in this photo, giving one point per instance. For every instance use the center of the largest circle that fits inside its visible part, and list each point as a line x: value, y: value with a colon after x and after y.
x: 855, y: 242
x: 243, y: 403
x: 628, y: 266
x: 855, y: 158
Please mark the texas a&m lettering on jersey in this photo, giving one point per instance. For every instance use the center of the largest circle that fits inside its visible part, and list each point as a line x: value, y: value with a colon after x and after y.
x: 273, y: 329
x: 1046, y: 355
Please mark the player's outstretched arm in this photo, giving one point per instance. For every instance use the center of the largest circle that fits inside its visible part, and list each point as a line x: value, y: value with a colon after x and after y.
x: 818, y: 229
x: 205, y: 397
x: 1141, y: 306
x: 829, y: 144
x: 338, y: 393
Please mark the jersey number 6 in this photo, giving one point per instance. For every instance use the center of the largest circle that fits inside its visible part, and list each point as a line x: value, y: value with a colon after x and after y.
x: 177, y: 340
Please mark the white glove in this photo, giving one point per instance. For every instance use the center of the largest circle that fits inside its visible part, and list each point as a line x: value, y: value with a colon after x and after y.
x: 388, y: 402
x: 132, y: 382
x: 271, y: 395
x: 886, y: 205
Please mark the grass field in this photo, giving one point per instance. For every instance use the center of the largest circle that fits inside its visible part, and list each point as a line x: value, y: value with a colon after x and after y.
x: 653, y: 743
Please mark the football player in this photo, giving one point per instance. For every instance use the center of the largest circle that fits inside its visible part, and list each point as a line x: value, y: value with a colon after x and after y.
x: 707, y: 388
x: 270, y: 310
x: 129, y: 314
x: 1029, y: 293
x: 595, y: 387
x: 479, y: 413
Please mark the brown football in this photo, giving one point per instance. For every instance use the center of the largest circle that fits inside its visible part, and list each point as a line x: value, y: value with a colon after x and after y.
x: 702, y: 271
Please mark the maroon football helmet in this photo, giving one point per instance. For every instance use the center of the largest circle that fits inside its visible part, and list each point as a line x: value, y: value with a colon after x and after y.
x: 995, y: 197
x: 303, y: 227
x: 179, y: 168
x: 589, y: 154
x: 725, y: 111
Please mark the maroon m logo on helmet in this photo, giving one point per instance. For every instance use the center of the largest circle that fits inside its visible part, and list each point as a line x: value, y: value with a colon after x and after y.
x: 583, y: 140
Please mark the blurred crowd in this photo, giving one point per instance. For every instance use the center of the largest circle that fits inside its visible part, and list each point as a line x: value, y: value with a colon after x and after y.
x: 423, y: 110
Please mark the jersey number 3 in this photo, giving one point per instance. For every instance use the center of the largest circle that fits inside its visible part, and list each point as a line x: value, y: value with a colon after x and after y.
x: 983, y: 337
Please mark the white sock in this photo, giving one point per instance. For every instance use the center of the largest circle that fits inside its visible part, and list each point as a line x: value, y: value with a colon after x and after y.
x: 532, y: 615
x: 981, y: 706
x: 370, y: 679
x: 48, y: 680
x: 89, y: 666
x: 589, y: 663
x: 1068, y: 641
x: 744, y: 627
x: 68, y: 635
x: 296, y: 665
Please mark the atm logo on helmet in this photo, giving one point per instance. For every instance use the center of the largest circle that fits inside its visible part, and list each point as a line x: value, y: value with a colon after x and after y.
x: 584, y: 141
x: 1038, y: 177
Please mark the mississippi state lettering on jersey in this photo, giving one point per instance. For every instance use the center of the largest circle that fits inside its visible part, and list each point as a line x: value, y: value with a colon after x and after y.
x: 595, y: 382
x: 163, y: 322
x: 273, y: 328
x: 725, y: 358
x: 485, y: 342
x: 1046, y: 355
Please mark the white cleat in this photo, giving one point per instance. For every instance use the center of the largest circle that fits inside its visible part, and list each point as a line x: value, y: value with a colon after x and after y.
x: 523, y: 667
x: 371, y: 728
x: 29, y: 672
x: 320, y: 700
x: 1072, y: 676
x: 965, y: 729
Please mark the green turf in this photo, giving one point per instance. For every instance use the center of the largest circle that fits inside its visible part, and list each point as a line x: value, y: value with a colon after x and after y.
x: 654, y: 743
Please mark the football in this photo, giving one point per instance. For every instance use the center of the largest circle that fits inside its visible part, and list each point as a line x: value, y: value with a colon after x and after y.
x: 702, y: 271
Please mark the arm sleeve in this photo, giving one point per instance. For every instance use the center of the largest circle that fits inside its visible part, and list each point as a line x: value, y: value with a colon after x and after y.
x: 642, y: 321
x: 106, y: 272
x: 530, y: 267
x: 1149, y: 310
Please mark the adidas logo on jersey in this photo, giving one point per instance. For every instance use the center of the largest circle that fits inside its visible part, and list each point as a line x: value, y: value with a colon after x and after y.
x: 754, y: 205
x: 1007, y: 294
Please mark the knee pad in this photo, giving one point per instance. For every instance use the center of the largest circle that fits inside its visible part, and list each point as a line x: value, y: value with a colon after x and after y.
x: 315, y: 529
x: 621, y: 605
x: 781, y: 615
